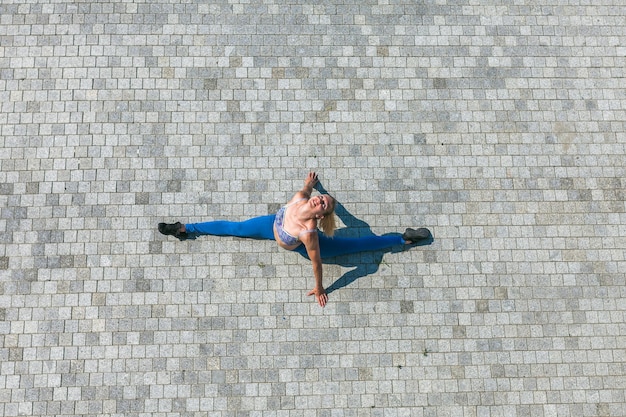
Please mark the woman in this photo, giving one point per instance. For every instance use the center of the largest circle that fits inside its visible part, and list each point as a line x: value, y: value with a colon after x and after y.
x: 295, y: 228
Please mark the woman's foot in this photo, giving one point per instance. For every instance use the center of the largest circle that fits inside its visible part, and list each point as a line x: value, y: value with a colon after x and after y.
x: 411, y: 236
x: 173, y: 229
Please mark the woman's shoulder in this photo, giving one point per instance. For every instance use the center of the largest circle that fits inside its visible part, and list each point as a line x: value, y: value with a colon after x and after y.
x: 299, y: 196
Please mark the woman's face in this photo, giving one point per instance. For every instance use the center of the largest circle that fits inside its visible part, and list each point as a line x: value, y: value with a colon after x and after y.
x: 322, y: 204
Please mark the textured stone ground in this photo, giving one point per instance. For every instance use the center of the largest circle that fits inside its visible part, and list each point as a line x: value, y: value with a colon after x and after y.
x: 499, y: 124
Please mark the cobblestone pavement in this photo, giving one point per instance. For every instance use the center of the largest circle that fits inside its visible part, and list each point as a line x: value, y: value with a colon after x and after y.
x: 500, y: 125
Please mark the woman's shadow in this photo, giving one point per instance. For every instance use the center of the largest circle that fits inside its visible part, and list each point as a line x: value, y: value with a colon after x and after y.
x: 364, y: 263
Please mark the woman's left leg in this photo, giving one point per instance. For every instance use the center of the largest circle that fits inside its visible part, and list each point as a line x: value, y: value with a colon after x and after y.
x: 337, y: 246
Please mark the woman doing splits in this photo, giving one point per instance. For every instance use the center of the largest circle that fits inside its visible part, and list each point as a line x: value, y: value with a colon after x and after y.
x: 295, y: 228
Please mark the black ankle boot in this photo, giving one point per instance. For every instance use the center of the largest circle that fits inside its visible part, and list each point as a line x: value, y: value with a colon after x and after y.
x: 412, y: 235
x: 172, y: 229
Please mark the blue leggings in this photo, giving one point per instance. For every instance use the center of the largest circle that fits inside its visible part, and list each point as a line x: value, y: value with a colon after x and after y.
x: 263, y: 228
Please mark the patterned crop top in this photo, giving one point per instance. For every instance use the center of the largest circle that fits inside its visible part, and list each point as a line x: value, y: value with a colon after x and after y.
x: 286, y: 237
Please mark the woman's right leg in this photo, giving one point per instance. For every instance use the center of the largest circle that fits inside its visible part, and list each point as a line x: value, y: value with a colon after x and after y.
x: 256, y: 228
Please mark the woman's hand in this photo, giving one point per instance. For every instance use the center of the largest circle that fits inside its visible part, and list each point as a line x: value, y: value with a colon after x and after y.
x: 320, y: 295
x: 311, y: 180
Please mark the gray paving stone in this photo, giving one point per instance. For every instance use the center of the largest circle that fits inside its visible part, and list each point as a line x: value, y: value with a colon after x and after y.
x: 499, y: 126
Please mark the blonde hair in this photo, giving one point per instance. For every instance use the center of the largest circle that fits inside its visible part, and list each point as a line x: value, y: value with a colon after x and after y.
x: 328, y: 223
